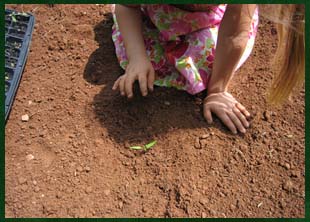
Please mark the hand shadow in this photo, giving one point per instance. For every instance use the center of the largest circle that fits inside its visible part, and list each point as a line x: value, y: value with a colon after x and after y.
x: 141, y: 119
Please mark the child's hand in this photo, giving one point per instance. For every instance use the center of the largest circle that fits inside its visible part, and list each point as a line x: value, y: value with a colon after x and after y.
x: 139, y: 69
x: 228, y: 109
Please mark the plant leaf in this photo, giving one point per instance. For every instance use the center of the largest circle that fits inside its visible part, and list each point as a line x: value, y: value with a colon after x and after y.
x: 13, y: 18
x: 150, y: 145
x: 136, y: 147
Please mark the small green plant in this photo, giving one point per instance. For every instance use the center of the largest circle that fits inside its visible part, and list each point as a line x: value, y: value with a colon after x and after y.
x: 145, y: 147
x: 13, y: 16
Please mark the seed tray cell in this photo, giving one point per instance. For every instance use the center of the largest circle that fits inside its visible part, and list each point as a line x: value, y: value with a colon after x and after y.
x: 7, y: 23
x: 18, y: 33
x: 14, y: 42
x: 12, y: 52
x: 9, y: 74
x: 19, y: 26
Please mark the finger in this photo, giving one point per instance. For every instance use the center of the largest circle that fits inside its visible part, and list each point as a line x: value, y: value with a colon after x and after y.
x: 116, y: 83
x: 208, y: 115
x: 122, y: 86
x: 143, y: 84
x: 241, y: 117
x: 227, y: 121
x: 128, y: 86
x: 243, y: 110
x: 150, y: 80
x: 236, y: 121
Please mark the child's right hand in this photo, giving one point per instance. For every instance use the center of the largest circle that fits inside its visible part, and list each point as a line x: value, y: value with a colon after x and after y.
x: 139, y: 69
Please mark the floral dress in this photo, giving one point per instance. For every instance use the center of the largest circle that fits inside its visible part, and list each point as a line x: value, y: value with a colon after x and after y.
x: 181, y: 44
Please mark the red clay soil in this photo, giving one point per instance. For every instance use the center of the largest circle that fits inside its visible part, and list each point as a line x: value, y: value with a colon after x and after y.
x: 72, y: 158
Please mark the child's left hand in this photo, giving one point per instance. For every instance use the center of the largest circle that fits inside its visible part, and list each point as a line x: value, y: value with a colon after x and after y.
x: 228, y: 109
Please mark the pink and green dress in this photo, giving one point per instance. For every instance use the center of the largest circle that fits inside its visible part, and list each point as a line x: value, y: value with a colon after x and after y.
x: 181, y: 44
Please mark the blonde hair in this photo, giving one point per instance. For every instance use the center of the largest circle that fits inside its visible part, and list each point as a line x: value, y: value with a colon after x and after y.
x: 289, y: 60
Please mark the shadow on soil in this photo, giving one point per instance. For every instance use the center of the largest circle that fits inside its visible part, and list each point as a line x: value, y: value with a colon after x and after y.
x: 139, y: 120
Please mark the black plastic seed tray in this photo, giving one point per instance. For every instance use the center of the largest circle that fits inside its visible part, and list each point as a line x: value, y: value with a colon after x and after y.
x: 18, y: 33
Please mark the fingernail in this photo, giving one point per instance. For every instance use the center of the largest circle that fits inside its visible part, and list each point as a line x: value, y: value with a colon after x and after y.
x: 243, y: 130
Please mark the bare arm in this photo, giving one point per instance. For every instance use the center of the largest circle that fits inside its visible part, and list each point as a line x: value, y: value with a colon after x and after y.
x: 232, y: 40
x: 231, y: 43
x: 139, y: 67
x: 130, y: 25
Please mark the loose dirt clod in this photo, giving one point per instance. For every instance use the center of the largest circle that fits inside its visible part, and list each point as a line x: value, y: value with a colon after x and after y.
x: 87, y: 169
x: 22, y: 180
x: 88, y: 190
x: 25, y: 118
x: 197, y: 144
x: 29, y: 157
x: 288, y: 185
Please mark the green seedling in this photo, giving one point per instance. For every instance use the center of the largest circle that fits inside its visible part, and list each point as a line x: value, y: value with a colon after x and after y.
x: 145, y: 147
x: 13, y: 16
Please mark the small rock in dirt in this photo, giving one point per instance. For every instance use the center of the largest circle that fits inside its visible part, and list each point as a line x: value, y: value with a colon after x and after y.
x: 144, y: 209
x: 34, y: 182
x: 36, y: 189
x: 203, y: 143
x: 87, y: 169
x: 197, y: 144
x: 203, y: 202
x: 82, y: 42
x: 287, y: 166
x: 22, y: 180
x: 167, y: 103
x: 79, y: 169
x: 42, y: 133
x: 120, y: 204
x: 204, y: 136
x: 24, y: 187
x: 288, y: 185
x: 28, y: 142
x: 266, y: 115
x: 58, y: 195
x: 212, y: 212
x: 107, y: 192
x: 29, y: 157
x: 25, y: 118
x: 295, y: 173
x: 88, y: 190
x: 232, y: 207
x: 282, y: 204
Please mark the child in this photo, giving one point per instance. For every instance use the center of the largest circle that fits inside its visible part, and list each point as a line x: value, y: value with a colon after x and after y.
x: 175, y: 45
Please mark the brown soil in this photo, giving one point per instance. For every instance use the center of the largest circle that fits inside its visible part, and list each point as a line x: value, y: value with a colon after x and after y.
x: 72, y: 158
